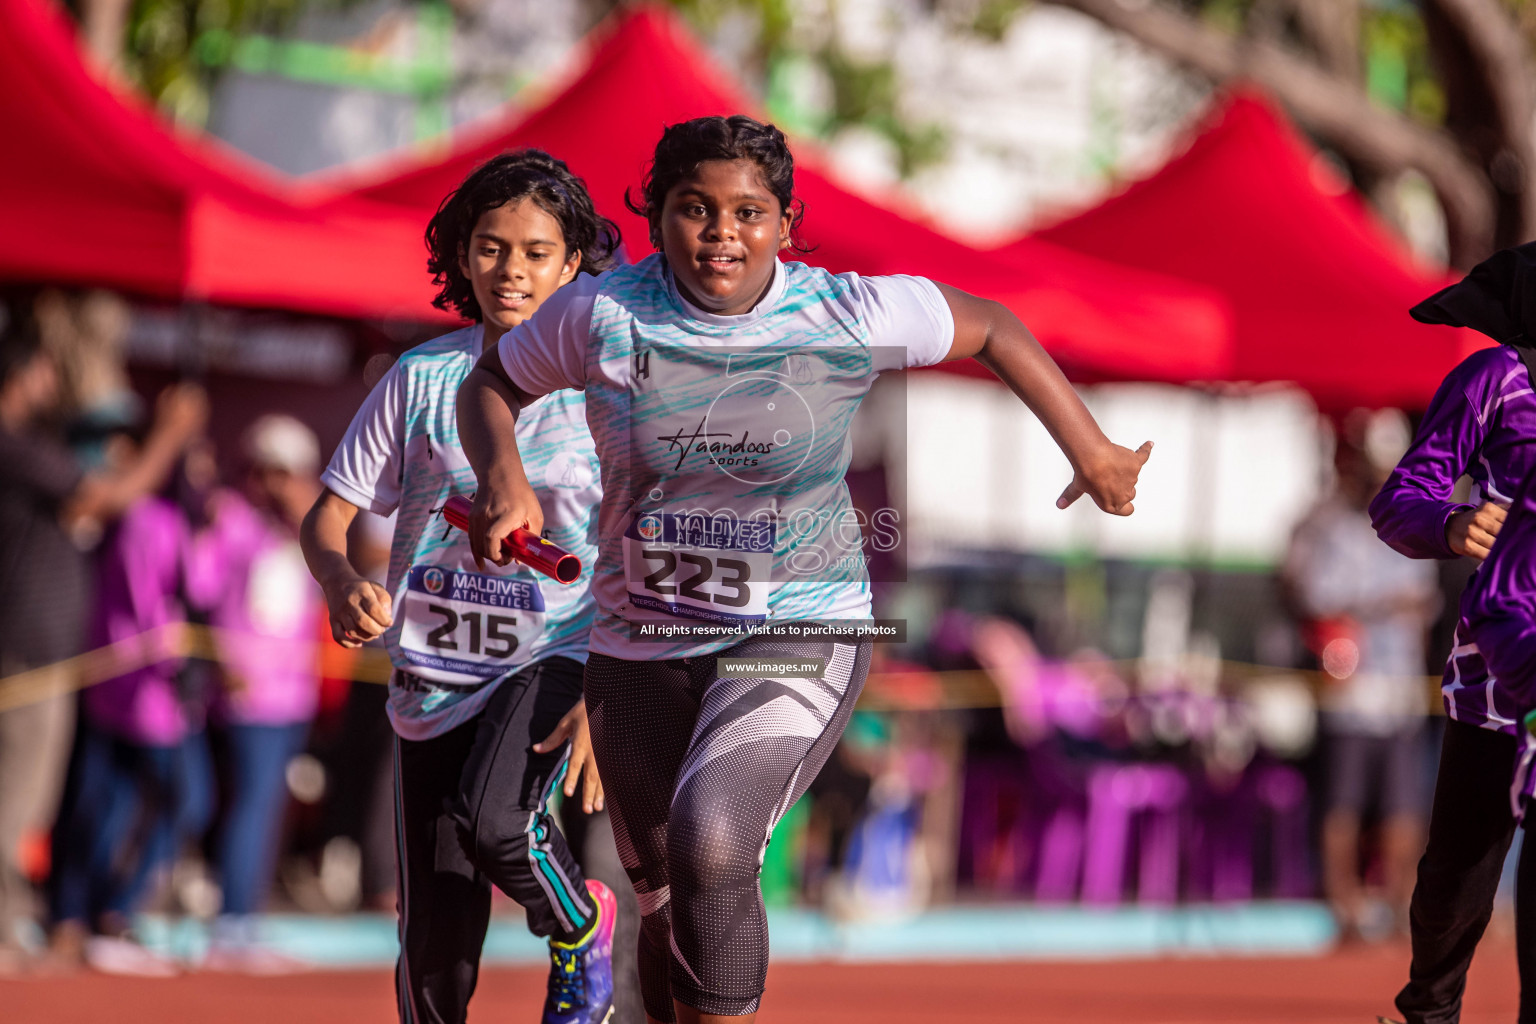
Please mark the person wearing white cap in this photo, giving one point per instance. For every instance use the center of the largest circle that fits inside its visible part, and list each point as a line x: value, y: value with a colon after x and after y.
x: 279, y: 441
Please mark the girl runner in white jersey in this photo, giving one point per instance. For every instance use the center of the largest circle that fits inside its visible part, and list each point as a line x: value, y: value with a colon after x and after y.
x: 720, y: 385
x: 488, y: 667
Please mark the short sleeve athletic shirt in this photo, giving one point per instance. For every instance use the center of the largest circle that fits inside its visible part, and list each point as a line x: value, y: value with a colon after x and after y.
x: 724, y: 440
x: 458, y: 631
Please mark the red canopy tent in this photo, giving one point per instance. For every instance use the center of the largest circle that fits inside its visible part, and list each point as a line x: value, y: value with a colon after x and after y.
x: 100, y: 192
x: 643, y: 71
x: 1319, y: 290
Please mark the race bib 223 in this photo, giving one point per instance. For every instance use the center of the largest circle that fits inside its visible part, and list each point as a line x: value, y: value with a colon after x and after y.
x: 715, y: 567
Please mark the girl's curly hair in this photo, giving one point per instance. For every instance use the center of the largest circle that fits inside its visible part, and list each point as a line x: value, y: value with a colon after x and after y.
x: 510, y: 178
x: 685, y: 145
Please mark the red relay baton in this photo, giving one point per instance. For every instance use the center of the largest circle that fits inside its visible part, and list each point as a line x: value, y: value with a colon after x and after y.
x: 524, y: 545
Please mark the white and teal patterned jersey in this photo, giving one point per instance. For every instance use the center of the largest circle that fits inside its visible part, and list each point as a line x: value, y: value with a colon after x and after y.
x: 458, y: 631
x: 724, y: 441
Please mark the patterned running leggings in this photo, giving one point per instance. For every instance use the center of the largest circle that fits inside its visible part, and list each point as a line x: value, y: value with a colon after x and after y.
x: 697, y: 770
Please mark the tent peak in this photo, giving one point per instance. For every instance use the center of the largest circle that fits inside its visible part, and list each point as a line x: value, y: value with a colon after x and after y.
x: 1319, y: 287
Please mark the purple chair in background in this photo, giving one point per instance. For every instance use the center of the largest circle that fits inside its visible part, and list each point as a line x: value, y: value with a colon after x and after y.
x: 1056, y: 823
x: 1144, y: 801
x: 991, y: 810
x: 1027, y: 830
x: 1225, y: 833
x: 1023, y: 825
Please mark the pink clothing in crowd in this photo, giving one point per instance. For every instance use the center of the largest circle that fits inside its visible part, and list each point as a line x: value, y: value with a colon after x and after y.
x: 248, y: 574
x: 138, y: 606
x: 1068, y: 699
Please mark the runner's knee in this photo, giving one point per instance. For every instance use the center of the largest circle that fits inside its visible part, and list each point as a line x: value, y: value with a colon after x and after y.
x: 493, y: 841
x: 712, y: 849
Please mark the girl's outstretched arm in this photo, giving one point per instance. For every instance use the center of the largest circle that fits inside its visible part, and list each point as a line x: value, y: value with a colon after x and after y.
x: 488, y: 405
x: 990, y: 333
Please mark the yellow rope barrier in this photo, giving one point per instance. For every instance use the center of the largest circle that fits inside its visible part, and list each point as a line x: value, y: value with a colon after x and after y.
x: 885, y: 691
x: 172, y: 642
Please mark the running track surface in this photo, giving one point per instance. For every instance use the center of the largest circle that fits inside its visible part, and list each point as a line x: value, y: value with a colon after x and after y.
x: 1348, y: 987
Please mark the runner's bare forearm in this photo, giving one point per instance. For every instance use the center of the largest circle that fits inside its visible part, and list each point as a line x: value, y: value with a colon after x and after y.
x: 323, y: 538
x: 359, y: 609
x: 488, y: 407
x: 989, y: 332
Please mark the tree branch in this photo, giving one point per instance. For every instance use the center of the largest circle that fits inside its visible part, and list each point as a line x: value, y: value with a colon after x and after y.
x: 1498, y: 58
x: 1332, y: 28
x: 104, y: 27
x: 1334, y: 108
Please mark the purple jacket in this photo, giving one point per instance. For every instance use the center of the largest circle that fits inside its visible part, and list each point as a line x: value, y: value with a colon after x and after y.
x: 1482, y: 424
x: 138, y: 607
x: 1498, y: 609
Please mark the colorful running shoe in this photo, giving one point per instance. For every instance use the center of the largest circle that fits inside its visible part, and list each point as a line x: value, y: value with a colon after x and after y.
x: 581, y: 973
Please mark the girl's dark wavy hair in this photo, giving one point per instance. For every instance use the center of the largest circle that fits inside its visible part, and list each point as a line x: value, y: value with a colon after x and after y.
x: 510, y: 178
x: 685, y: 145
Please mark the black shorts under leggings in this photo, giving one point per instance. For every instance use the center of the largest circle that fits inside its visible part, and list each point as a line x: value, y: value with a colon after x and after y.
x: 697, y: 770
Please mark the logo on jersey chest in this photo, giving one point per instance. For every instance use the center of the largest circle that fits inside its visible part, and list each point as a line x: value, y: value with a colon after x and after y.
x: 741, y: 414
x: 720, y: 447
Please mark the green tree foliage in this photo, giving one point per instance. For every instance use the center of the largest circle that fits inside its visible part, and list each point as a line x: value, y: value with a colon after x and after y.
x: 174, y: 48
x: 773, y: 21
x: 1393, y: 47
x: 864, y: 93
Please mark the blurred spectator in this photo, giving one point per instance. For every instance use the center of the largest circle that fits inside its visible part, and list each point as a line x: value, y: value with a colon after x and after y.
x: 248, y: 573
x: 839, y: 799
x: 140, y: 778
x: 1366, y: 611
x: 45, y: 496
x: 900, y: 855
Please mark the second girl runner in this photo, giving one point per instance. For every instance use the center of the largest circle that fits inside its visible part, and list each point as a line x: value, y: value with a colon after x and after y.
x: 488, y: 667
